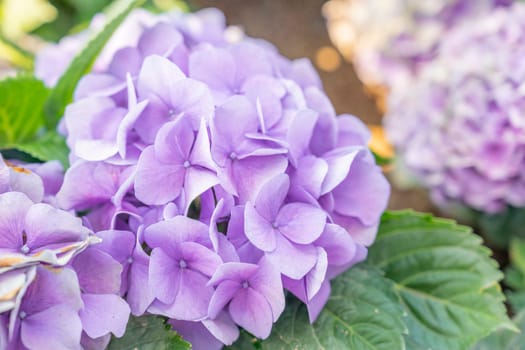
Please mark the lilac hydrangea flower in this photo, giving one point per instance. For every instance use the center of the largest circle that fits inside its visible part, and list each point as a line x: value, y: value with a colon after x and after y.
x: 389, y: 41
x: 218, y: 175
x: 37, y: 233
x: 181, y: 265
x: 462, y: 133
x: 47, y: 314
x: 253, y: 293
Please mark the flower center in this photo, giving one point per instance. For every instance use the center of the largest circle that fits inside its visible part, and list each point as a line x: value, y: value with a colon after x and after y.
x: 172, y: 112
x: 183, y: 264
x: 245, y: 284
x: 130, y: 260
x: 24, y: 249
x: 186, y: 164
x: 233, y: 156
x: 275, y: 224
x: 22, y: 315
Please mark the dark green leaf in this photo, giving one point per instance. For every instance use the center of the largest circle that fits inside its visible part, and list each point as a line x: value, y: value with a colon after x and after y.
x: 149, y: 333
x: 500, y: 228
x: 21, y: 109
x: 62, y: 93
x: 445, y: 278
x: 362, y: 313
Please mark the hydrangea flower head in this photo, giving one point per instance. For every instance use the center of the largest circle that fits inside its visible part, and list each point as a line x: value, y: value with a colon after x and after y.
x: 221, y: 168
x: 461, y: 128
x: 389, y: 41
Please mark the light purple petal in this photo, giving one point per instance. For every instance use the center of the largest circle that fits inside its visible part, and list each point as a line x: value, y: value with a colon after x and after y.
x: 97, y: 272
x: 224, y: 292
x: 104, y: 313
x: 364, y: 193
x: 316, y: 305
x: 339, y: 163
x: 301, y: 223
x: 157, y: 182
x: 216, y: 68
x: 200, y: 258
x: 300, y: 132
x: 223, y: 328
x: 291, y: 259
x: 154, y: 40
x: 169, y: 233
x: 15, y: 206
x: 45, y: 225
x: 191, y: 303
x: 157, y: 76
x: 57, y: 327
x: 316, y: 276
x: 271, y: 196
x: 250, y: 310
x: 164, y: 276
x: 309, y: 176
x: 233, y: 271
x: 338, y: 244
x: 250, y: 174
x: 258, y: 230
x: 267, y: 281
x: 197, y: 181
x: 27, y: 182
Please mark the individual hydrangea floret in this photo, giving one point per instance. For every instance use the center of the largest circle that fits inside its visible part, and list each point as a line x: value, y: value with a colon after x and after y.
x: 461, y: 128
x: 218, y: 176
x: 389, y: 41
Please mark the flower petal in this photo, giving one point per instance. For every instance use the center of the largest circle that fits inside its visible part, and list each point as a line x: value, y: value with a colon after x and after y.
x: 57, y: 327
x: 104, y: 313
x: 301, y: 223
x: 250, y: 310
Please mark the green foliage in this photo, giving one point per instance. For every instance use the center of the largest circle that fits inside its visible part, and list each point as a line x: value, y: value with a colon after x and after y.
x: 47, y: 147
x: 22, y: 101
x: 500, y: 228
x: 432, y: 271
x: 515, y: 275
x: 149, y: 333
x: 362, y: 313
x: 445, y: 279
x: 505, y: 339
x: 62, y: 94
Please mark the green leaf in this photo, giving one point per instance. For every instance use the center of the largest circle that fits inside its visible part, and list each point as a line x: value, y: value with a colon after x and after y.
x: 505, y: 339
x: 21, y: 109
x: 50, y: 146
x: 149, y: 333
x: 62, y: 93
x: 501, y: 227
x: 445, y: 278
x: 362, y: 313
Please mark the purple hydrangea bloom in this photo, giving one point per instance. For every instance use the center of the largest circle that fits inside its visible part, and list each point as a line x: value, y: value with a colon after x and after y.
x: 47, y: 315
x: 390, y: 41
x: 37, y: 233
x: 462, y: 133
x: 217, y: 174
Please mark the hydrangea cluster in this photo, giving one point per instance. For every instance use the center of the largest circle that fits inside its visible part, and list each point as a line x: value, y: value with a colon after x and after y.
x: 57, y: 289
x: 461, y: 130
x: 218, y: 176
x: 389, y: 41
